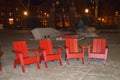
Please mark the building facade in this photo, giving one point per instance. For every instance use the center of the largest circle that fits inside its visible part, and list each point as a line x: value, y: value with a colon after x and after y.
x: 11, y: 11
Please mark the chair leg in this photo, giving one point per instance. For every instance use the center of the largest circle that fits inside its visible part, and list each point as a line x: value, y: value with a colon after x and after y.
x: 0, y: 66
x: 41, y: 58
x: 88, y: 60
x: 14, y: 64
x: 22, y: 63
x: 46, y: 65
x: 82, y: 60
x: 0, y: 60
x: 23, y: 69
x: 65, y: 57
x: 60, y: 62
x: 68, y: 61
x: 105, y: 62
x: 40, y: 61
x: 38, y: 65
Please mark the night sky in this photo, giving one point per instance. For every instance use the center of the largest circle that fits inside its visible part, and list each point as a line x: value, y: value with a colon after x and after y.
x: 111, y: 3
x: 109, y: 7
x: 105, y: 6
x: 35, y: 2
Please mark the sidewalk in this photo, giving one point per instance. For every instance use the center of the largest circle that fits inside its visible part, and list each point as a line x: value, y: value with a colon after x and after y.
x: 75, y: 71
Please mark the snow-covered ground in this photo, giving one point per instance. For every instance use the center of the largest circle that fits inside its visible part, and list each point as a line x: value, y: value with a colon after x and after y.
x: 75, y: 71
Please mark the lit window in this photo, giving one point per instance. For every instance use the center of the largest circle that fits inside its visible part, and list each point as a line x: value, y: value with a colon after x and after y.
x: 16, y: 9
x: 11, y: 21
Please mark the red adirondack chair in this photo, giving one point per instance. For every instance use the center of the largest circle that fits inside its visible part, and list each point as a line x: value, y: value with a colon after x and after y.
x: 48, y: 54
x: 0, y: 58
x: 22, y: 55
x: 98, y: 49
x: 73, y: 50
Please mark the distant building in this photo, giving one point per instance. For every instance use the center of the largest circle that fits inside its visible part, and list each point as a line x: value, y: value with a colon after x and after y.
x: 11, y: 11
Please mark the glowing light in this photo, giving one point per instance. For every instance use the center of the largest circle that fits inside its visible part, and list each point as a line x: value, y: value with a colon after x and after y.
x: 99, y: 19
x: 103, y: 19
x: 45, y: 13
x: 11, y: 21
x: 86, y: 10
x: 57, y: 2
x: 25, y: 13
x: 116, y: 13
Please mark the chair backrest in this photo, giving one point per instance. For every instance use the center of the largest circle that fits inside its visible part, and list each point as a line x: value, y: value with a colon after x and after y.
x: 21, y: 46
x: 99, y: 45
x: 72, y: 44
x: 46, y: 44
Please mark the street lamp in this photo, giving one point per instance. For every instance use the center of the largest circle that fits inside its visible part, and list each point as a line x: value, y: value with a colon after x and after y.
x: 60, y: 8
x: 25, y: 13
x: 86, y: 10
x: 57, y: 2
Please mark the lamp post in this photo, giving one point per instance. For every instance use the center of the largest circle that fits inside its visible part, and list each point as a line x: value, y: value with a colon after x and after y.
x: 63, y: 10
x: 60, y: 6
x: 63, y: 22
x: 96, y: 8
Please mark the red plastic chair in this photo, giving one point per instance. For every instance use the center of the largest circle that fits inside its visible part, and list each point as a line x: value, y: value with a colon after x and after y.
x: 22, y: 55
x: 48, y: 54
x: 0, y: 62
x: 73, y: 50
x: 98, y: 49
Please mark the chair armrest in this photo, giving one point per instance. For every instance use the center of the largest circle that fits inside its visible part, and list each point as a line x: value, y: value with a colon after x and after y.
x: 66, y: 47
x: 81, y: 46
x: 56, y: 47
x: 32, y: 49
x: 42, y: 51
x: 19, y: 52
x: 59, y: 49
x: 37, y: 51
